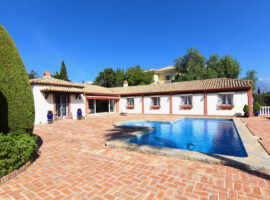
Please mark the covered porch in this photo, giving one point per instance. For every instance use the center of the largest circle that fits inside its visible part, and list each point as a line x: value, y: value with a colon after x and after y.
x: 101, y: 104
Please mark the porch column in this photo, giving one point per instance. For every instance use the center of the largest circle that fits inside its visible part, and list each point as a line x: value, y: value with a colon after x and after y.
x: 142, y: 104
x: 54, y: 107
x: 250, y: 104
x: 69, y: 106
x: 117, y: 105
x: 86, y: 106
x: 171, y: 106
x: 205, y: 103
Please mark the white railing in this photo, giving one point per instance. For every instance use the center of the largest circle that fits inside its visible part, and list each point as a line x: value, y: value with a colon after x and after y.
x: 265, y: 110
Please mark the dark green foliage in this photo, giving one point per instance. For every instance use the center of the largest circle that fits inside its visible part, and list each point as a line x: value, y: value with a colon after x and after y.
x: 194, y: 66
x: 230, y: 67
x: 16, y: 148
x: 246, y: 109
x: 252, y: 75
x: 16, y: 98
x: 63, y: 73
x: 106, y: 78
x: 263, y: 99
x: 33, y: 74
x: 259, y: 90
x: 256, y: 106
x: 120, y: 77
x: 190, y: 66
x: 136, y: 76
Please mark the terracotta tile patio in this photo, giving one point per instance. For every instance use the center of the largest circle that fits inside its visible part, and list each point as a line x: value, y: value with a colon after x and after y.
x: 75, y: 164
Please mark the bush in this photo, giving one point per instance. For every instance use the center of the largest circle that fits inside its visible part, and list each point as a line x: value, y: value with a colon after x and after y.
x: 16, y: 148
x: 256, y: 106
x: 246, y: 109
x: 16, y: 98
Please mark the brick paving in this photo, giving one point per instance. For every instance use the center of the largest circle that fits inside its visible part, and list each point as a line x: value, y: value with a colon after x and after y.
x: 260, y: 126
x: 75, y: 164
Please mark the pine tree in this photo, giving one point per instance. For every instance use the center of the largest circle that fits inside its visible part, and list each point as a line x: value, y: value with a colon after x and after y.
x: 16, y: 98
x: 259, y: 90
x: 63, y: 72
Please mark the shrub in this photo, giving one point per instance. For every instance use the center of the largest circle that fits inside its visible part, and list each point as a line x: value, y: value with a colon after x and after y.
x: 16, y: 148
x: 246, y: 109
x: 256, y: 106
x: 16, y: 98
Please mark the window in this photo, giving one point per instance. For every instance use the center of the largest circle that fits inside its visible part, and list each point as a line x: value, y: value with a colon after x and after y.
x: 187, y: 100
x: 167, y: 77
x: 155, y: 101
x: 226, y: 99
x: 61, y: 102
x: 130, y: 101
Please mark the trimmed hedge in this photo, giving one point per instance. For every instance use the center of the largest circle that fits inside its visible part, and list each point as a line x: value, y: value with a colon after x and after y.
x: 263, y: 99
x: 16, y: 149
x: 16, y: 98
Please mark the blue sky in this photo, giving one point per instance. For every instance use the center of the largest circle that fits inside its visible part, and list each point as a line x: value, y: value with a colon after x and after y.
x: 92, y: 35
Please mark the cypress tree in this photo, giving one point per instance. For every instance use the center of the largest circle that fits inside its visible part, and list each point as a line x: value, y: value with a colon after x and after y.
x: 63, y: 72
x: 16, y: 98
x: 259, y: 90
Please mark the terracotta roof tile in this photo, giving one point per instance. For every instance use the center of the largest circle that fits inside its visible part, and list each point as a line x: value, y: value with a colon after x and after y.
x: 63, y: 89
x: 54, y: 81
x: 186, y: 86
x: 95, y: 89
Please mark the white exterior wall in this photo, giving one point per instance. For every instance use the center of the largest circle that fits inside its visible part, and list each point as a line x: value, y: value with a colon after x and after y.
x: 239, y: 100
x: 197, y: 103
x: 164, y: 105
x: 42, y: 105
x: 137, y: 103
x: 75, y: 104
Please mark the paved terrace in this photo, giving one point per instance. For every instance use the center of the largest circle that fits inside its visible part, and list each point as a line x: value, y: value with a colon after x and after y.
x: 75, y: 164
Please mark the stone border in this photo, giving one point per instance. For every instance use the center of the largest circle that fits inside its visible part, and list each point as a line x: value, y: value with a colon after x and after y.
x: 258, y: 159
x: 16, y: 172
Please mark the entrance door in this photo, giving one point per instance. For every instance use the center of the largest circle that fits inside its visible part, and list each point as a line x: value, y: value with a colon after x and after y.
x: 61, y: 102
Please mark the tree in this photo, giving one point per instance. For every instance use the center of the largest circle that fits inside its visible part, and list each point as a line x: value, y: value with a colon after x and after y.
x: 230, y: 68
x: 136, y: 76
x: 194, y: 66
x: 57, y: 75
x: 16, y: 98
x: 63, y: 73
x: 259, y: 90
x: 33, y: 74
x: 252, y: 75
x: 190, y: 66
x: 107, y: 78
x: 119, y: 77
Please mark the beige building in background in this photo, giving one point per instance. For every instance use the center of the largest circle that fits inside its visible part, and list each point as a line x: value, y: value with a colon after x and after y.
x: 163, y: 75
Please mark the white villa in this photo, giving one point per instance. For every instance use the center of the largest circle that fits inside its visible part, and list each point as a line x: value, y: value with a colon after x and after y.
x: 211, y: 97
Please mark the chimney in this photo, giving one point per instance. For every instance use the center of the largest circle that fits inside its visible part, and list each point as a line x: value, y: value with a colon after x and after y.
x: 125, y: 83
x: 47, y: 74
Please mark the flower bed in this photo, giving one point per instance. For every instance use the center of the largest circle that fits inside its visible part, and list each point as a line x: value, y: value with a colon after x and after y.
x: 226, y: 107
x: 186, y: 107
x: 155, y: 107
x: 130, y: 107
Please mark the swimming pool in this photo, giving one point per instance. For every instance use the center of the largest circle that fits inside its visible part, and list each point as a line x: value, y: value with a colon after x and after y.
x: 214, y: 136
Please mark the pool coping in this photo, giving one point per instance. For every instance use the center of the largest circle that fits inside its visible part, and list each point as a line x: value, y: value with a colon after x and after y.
x: 257, y: 159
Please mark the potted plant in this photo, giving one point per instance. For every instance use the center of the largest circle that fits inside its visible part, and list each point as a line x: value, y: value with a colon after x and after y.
x: 79, y: 114
x: 50, y: 117
x: 246, y: 110
x: 256, y: 108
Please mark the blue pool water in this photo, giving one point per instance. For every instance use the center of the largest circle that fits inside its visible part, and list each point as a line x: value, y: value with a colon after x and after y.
x: 214, y: 136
